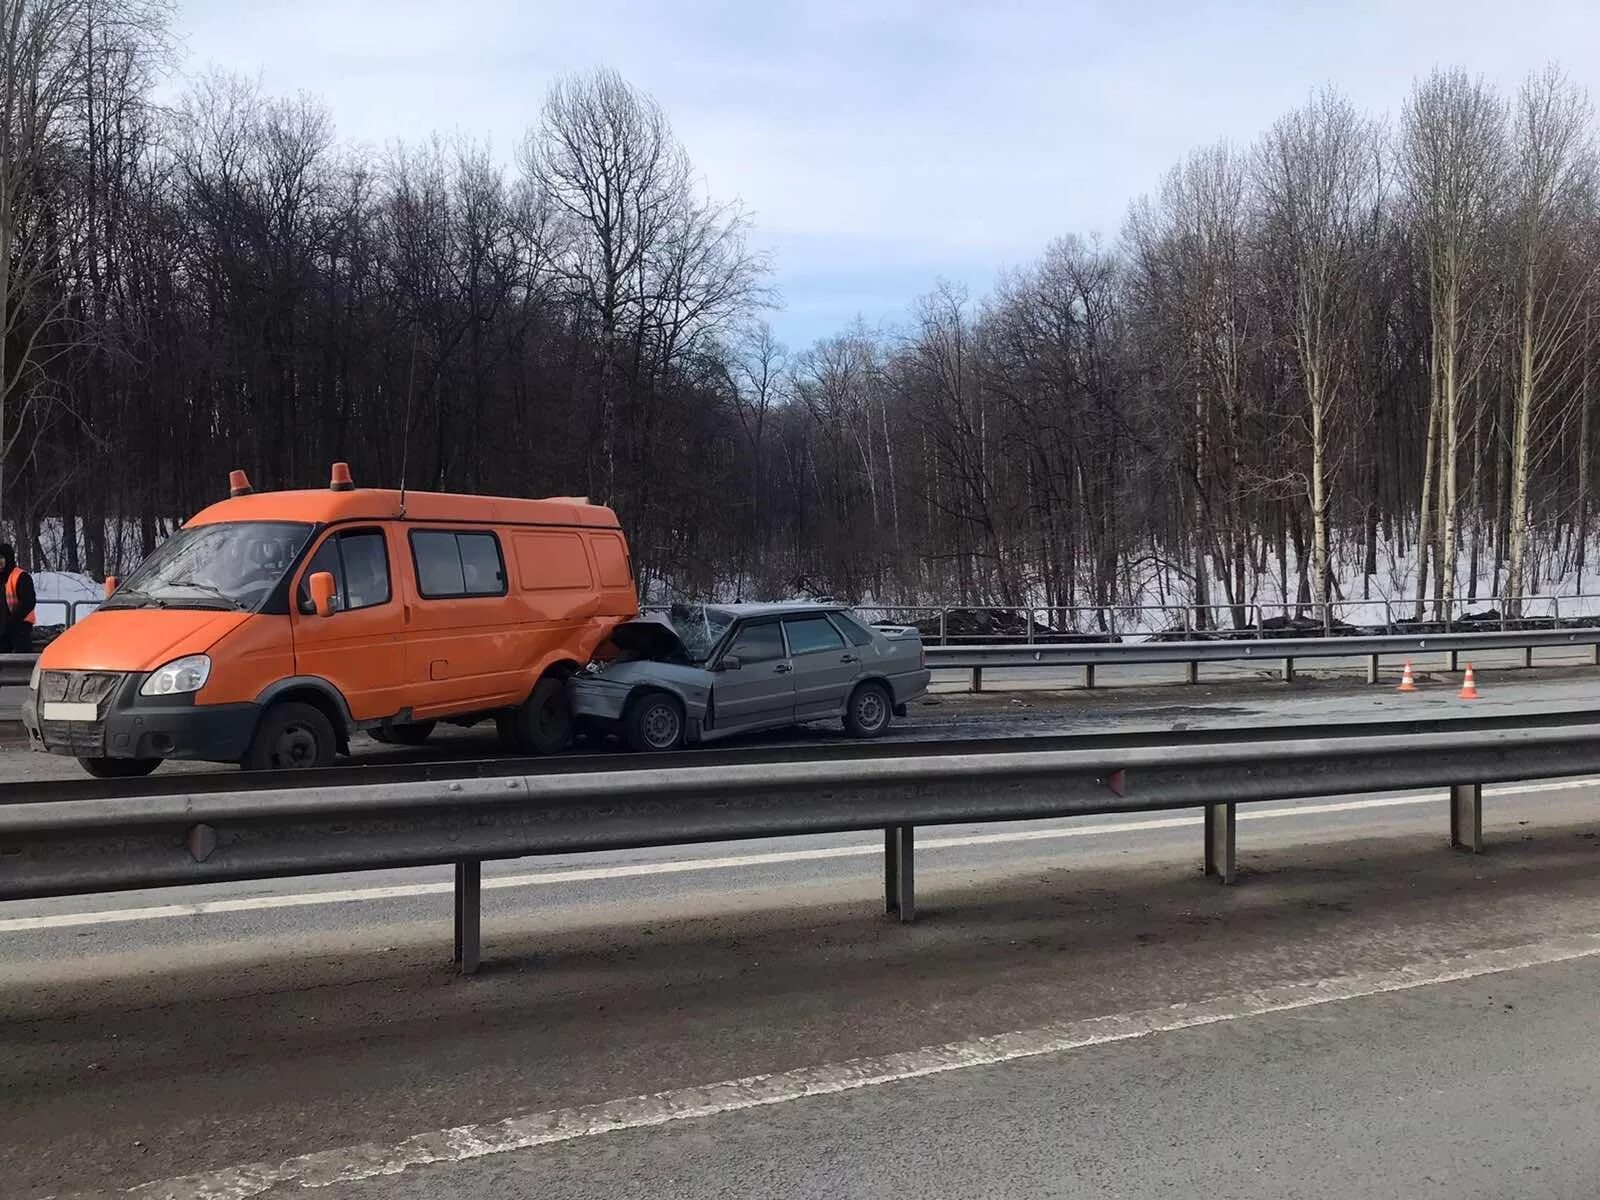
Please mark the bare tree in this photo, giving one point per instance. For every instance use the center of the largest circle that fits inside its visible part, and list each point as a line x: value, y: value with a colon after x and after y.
x: 1452, y: 158
x: 1317, y: 171
x: 605, y: 156
x: 1552, y: 193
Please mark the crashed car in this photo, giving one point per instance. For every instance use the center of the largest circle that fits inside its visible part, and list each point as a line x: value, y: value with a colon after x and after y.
x: 703, y: 672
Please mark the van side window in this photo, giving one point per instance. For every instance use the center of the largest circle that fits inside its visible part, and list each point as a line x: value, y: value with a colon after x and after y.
x: 359, y: 563
x: 457, y: 564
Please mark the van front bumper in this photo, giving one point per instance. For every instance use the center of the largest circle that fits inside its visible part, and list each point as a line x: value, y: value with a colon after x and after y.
x: 128, y: 725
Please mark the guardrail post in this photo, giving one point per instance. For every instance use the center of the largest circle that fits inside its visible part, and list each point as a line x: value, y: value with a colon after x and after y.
x: 899, y: 873
x: 1527, y: 656
x: 1597, y: 654
x: 1466, y: 817
x: 1221, y: 842
x: 977, y: 679
x: 469, y: 912
x: 1372, y: 668
x: 1193, y: 668
x: 1455, y: 661
x: 1288, y: 670
x: 1088, y: 675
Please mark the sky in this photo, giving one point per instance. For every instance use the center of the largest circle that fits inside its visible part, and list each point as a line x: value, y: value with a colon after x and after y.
x: 884, y: 145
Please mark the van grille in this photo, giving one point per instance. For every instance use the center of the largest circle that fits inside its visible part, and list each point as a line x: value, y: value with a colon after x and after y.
x: 80, y: 687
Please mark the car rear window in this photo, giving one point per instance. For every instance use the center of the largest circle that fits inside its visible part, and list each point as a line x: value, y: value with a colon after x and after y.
x: 811, y: 635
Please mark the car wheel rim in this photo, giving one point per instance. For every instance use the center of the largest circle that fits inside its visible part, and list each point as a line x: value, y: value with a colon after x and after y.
x: 297, y: 747
x: 870, y: 710
x: 661, y: 726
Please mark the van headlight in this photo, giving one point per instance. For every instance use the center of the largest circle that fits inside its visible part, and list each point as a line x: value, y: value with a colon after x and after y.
x: 178, y: 677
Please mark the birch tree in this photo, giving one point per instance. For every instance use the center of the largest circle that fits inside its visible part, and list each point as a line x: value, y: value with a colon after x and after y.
x: 1551, y: 193
x: 1452, y: 165
x: 1317, y: 173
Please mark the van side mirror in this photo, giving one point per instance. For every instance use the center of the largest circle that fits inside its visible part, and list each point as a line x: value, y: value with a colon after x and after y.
x: 111, y: 585
x: 322, y: 590
x: 729, y: 662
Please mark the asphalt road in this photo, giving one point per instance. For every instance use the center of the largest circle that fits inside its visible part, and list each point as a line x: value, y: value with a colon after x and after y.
x: 1239, y: 702
x: 1076, y: 1012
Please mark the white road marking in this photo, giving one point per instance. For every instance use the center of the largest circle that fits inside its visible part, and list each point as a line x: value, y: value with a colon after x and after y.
x: 467, y: 1142
x: 165, y: 912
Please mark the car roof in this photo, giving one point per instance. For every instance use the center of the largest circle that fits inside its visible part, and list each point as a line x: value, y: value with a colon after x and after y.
x: 775, y: 608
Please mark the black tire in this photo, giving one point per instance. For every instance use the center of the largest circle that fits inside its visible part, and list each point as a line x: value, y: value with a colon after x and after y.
x: 413, y: 733
x: 869, y: 710
x: 542, y: 724
x: 119, y: 768
x: 654, y: 723
x: 291, y: 737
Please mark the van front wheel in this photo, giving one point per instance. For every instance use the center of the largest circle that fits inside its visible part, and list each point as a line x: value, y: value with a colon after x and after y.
x: 291, y: 736
x: 541, y: 724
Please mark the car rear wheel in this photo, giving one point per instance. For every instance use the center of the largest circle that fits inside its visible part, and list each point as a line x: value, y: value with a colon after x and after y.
x: 413, y: 733
x: 541, y: 724
x: 119, y: 768
x: 290, y: 737
x: 654, y: 724
x: 867, y: 715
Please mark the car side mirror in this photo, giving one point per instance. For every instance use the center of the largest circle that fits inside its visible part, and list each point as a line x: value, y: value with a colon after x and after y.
x: 322, y: 591
x: 729, y: 662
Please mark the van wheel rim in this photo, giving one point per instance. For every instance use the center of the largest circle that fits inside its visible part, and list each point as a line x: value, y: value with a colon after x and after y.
x: 297, y: 747
x: 661, y: 725
x: 870, y: 710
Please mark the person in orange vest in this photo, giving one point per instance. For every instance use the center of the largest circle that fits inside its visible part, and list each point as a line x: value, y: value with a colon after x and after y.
x: 16, y: 592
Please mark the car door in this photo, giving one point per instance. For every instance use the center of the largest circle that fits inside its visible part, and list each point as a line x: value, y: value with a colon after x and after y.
x: 825, y: 667
x: 358, y: 649
x: 760, y: 690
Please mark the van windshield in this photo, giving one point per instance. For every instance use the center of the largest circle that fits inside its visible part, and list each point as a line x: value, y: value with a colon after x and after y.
x: 234, y: 565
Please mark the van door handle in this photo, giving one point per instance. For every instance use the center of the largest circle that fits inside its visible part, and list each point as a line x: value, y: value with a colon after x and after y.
x: 406, y: 609
x: 782, y: 669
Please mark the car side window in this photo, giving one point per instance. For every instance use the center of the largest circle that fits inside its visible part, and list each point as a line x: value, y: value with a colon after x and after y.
x: 811, y: 635
x: 758, y: 643
x: 852, y: 629
x: 451, y: 564
x: 359, y: 563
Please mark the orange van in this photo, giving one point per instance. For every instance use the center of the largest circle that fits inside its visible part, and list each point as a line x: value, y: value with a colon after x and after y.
x: 275, y: 624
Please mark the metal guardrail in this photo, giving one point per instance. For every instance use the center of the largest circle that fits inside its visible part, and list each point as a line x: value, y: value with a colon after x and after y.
x: 53, y: 848
x: 15, y: 668
x: 1284, y: 651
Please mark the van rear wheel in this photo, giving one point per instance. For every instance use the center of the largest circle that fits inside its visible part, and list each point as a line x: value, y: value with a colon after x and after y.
x: 119, y: 768
x: 290, y: 737
x: 541, y: 724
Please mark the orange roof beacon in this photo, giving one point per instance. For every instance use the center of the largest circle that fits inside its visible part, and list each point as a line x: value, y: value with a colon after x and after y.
x: 275, y: 624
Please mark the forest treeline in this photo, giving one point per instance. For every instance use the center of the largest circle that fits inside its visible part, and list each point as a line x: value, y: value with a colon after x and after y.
x: 1358, y: 351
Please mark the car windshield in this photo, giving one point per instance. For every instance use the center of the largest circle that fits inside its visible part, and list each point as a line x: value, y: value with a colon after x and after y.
x: 700, y: 628
x: 234, y: 565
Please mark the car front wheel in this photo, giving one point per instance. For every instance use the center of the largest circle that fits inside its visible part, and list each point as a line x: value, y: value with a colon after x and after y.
x: 654, y: 724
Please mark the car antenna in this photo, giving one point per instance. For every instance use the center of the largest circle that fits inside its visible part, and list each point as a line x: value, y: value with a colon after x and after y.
x: 405, y: 432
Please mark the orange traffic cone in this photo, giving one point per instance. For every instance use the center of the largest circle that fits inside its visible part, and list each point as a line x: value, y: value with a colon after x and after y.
x: 1407, y: 684
x: 1469, y: 687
